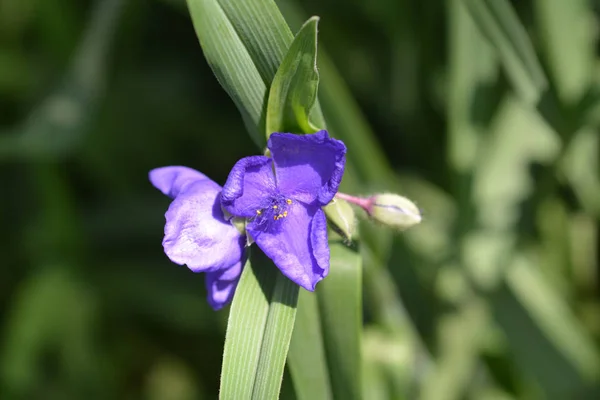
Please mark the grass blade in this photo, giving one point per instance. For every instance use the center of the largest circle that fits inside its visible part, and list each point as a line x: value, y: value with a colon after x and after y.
x: 231, y: 62
x: 306, y: 358
x: 340, y: 304
x: 259, y: 330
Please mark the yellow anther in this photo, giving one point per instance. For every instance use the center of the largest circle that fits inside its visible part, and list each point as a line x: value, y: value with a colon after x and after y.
x: 275, y: 207
x: 274, y: 217
x: 285, y: 213
x: 289, y: 201
x: 258, y: 212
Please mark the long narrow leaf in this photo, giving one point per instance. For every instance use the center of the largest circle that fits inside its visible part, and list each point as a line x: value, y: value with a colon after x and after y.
x: 306, y: 359
x: 258, y: 333
x: 340, y: 305
x: 231, y: 63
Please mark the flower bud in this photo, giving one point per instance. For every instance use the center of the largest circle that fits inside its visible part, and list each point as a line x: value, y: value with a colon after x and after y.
x: 341, y: 214
x: 393, y: 210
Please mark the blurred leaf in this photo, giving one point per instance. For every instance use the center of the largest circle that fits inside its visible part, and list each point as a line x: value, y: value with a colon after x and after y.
x: 375, y: 385
x: 473, y: 72
x: 498, y: 21
x: 259, y: 330
x: 388, y: 366
x: 518, y: 138
x: 568, y: 39
x: 52, y: 312
x: 459, y: 346
x: 554, y: 317
x: 583, y: 236
x: 56, y: 126
x: 306, y: 358
x: 294, y: 89
x: 340, y: 305
x: 581, y: 167
x: 546, y: 340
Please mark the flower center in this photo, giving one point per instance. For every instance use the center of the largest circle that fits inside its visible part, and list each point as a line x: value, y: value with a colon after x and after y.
x: 275, y: 209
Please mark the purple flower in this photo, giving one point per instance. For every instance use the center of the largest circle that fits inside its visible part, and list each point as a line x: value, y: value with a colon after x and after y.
x: 282, y: 196
x: 196, y: 232
x: 279, y: 197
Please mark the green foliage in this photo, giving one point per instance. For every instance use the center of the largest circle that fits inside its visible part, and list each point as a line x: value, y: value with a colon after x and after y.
x: 259, y: 330
x: 498, y: 21
x: 306, y: 358
x: 493, y: 132
x: 294, y: 89
x: 340, y: 300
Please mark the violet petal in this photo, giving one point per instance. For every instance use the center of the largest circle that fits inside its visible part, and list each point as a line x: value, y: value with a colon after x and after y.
x: 172, y: 180
x: 196, y: 232
x: 221, y: 285
x: 308, y: 167
x: 249, y: 185
x: 296, y: 244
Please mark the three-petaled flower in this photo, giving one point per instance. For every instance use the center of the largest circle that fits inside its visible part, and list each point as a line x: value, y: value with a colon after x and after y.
x: 280, y: 197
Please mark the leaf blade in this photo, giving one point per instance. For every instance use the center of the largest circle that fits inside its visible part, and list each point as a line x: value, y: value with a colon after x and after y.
x: 340, y: 305
x: 293, y: 91
x: 231, y: 62
x: 259, y: 330
x: 248, y: 295
x: 306, y: 358
x: 278, y: 334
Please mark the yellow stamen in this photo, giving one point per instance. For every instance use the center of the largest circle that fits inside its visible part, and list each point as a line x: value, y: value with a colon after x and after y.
x: 285, y: 213
x: 258, y: 212
x: 275, y: 207
x: 274, y: 217
x: 289, y: 201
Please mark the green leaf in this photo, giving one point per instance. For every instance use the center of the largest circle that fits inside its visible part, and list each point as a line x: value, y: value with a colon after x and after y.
x: 294, y: 89
x: 245, y: 42
x: 231, y: 62
x: 306, y: 358
x: 498, y: 21
x: 568, y: 39
x: 340, y: 305
x: 259, y: 330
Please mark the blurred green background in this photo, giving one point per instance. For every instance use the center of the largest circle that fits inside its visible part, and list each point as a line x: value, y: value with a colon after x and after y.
x: 487, y: 112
